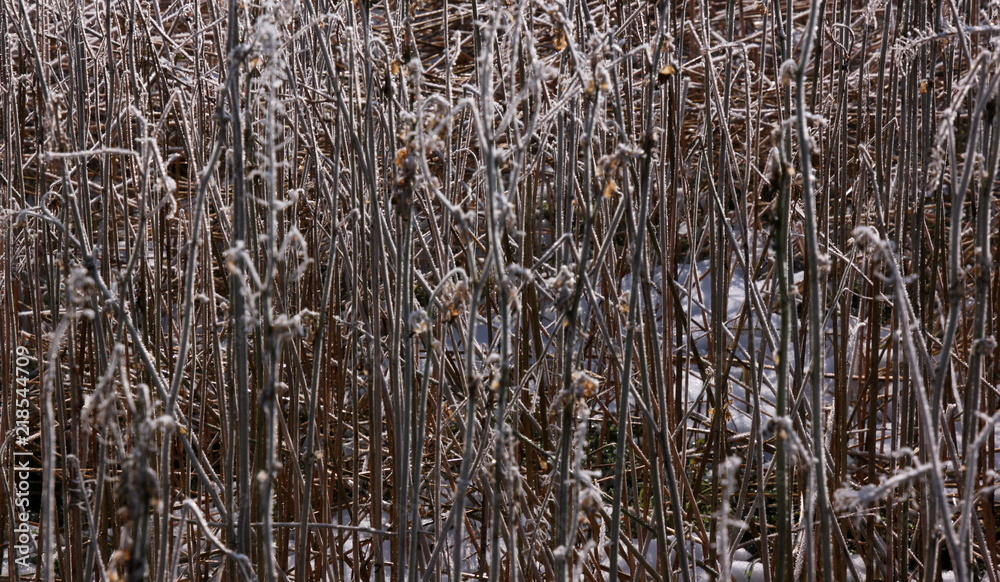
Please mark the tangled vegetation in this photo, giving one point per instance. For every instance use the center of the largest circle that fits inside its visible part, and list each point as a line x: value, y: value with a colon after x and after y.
x: 499, y: 290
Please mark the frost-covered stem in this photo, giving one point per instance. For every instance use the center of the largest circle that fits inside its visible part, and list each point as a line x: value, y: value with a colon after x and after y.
x: 421, y: 424
x: 783, y: 546
x: 566, y: 516
x: 242, y: 561
x: 272, y: 337
x: 970, y: 495
x: 729, y: 469
x: 401, y: 338
x: 813, y: 260
x: 183, y: 344
x: 955, y: 271
x: 495, y: 228
x: 418, y: 431
x: 981, y: 345
x: 474, y: 387
x: 623, y: 418
x: 365, y: 150
x: 241, y: 360
x: 903, y: 307
x: 644, y: 187
x: 937, y: 475
x: 48, y: 523
x: 319, y: 346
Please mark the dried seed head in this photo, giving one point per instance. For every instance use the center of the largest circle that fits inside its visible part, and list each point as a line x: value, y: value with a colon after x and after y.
x: 518, y: 275
x: 623, y: 301
x: 453, y: 296
x: 584, y: 385
x: 865, y: 236
x: 559, y: 39
x: 418, y: 321
x: 562, y: 286
x: 787, y: 72
x: 609, y: 189
x: 665, y: 72
x: 284, y: 325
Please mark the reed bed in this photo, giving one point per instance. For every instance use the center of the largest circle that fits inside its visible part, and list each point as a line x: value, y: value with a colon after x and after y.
x: 499, y: 290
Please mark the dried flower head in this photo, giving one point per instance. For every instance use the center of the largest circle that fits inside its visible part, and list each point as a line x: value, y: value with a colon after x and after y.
x: 418, y: 321
x: 562, y: 286
x: 584, y: 385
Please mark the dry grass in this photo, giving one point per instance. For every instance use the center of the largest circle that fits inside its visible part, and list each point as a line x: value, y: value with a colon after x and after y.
x: 359, y: 290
